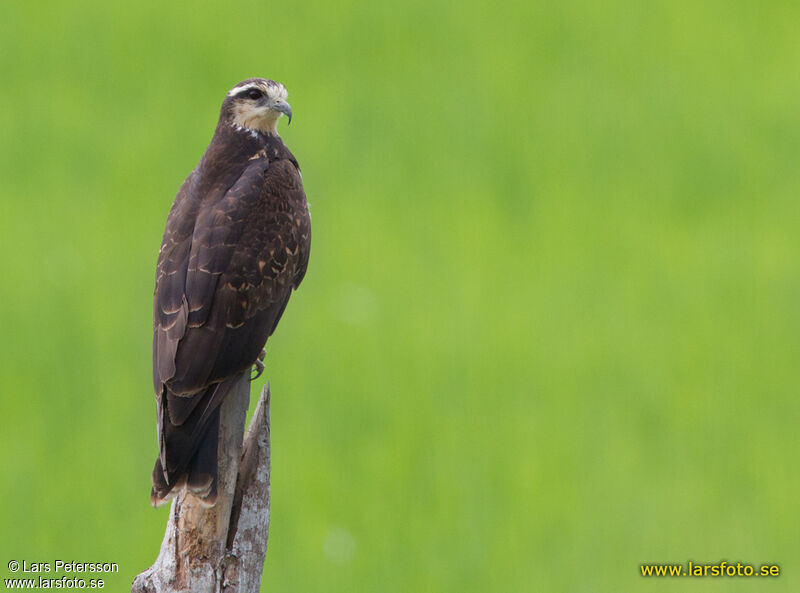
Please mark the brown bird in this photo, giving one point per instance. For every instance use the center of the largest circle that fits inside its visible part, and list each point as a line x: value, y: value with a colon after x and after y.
x: 236, y: 244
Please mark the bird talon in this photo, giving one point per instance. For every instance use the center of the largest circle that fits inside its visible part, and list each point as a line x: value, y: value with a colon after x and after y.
x: 259, y: 365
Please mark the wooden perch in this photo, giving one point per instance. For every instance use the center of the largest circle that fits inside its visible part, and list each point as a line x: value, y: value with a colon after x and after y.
x: 221, y: 549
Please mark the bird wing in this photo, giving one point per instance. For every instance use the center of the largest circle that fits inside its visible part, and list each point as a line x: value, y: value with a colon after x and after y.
x: 222, y: 288
x: 170, y: 309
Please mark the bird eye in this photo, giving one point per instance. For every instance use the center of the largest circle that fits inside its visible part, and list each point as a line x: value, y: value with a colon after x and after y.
x: 254, y: 94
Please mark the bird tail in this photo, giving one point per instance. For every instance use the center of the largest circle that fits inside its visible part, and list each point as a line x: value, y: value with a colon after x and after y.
x: 188, y: 436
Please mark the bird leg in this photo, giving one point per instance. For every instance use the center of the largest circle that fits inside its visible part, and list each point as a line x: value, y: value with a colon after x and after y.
x: 259, y: 364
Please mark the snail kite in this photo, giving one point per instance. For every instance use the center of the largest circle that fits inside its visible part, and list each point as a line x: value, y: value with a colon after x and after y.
x: 235, y: 246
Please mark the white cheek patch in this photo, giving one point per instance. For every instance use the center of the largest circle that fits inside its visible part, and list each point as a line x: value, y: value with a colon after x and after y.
x: 252, y: 117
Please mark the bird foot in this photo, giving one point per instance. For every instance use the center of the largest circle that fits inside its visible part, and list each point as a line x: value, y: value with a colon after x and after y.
x: 259, y: 364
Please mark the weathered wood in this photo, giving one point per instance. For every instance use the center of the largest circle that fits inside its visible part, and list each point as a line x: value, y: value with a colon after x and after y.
x: 247, y: 537
x: 221, y: 549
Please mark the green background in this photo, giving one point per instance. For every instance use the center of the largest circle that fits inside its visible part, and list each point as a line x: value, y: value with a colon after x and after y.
x: 550, y: 328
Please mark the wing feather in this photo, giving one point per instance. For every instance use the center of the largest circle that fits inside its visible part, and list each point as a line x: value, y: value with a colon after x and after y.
x: 245, y: 254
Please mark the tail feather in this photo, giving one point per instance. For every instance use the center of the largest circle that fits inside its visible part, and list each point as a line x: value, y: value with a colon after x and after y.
x: 202, y: 471
x: 188, y: 450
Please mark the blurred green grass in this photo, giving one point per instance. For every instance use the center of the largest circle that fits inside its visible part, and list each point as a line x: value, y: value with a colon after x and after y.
x: 550, y: 326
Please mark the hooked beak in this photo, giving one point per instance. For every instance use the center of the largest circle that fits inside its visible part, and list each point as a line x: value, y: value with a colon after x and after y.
x: 283, y: 107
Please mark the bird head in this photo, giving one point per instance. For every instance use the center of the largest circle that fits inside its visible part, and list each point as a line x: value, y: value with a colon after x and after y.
x: 256, y: 104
